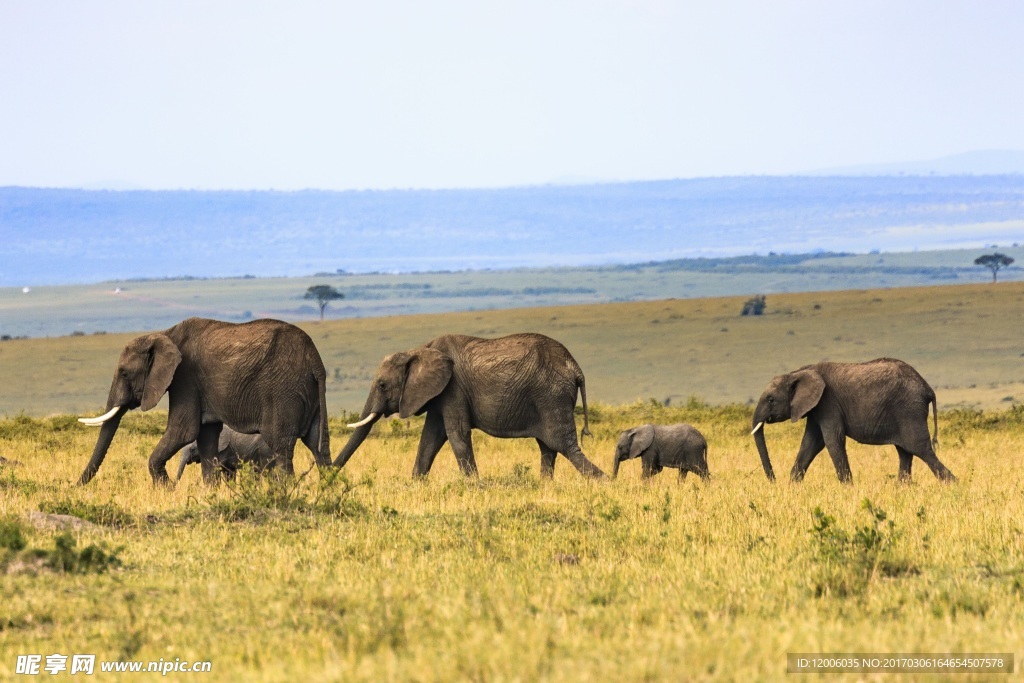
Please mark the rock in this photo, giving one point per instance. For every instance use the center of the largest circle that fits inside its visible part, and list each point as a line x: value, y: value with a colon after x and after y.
x: 45, y: 521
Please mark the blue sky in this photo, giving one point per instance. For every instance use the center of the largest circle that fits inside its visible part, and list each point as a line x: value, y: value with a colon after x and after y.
x: 464, y: 93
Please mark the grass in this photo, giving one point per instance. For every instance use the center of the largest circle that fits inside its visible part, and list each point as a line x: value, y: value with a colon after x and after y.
x: 371, y: 575
x: 964, y: 339
x: 368, y: 574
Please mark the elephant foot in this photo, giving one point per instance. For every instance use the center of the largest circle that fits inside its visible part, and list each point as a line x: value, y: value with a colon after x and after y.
x: 163, y: 482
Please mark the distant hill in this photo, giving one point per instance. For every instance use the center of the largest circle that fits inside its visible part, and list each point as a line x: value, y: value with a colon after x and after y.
x: 53, y: 236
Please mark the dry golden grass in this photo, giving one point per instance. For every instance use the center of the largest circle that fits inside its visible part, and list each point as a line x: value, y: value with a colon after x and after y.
x: 508, y: 577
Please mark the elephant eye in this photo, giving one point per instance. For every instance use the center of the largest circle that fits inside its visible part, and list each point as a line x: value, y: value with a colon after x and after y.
x: 381, y: 384
x: 771, y: 400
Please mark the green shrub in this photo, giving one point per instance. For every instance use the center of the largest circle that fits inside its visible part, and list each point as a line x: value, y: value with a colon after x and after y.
x: 847, y: 562
x: 12, y: 533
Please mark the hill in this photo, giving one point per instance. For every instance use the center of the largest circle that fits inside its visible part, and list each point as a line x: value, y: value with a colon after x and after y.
x: 55, y: 236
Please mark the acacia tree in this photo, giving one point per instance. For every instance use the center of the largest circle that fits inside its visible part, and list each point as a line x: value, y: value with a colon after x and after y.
x: 323, y: 294
x: 993, y: 262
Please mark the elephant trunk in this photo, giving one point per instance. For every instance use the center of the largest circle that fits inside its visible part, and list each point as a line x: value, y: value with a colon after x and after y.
x: 189, y: 454
x: 372, y: 411
x: 107, y: 431
x: 762, y: 447
x: 615, y: 465
x: 354, y: 442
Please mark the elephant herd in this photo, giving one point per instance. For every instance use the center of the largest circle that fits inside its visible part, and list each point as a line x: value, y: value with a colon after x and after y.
x: 247, y: 392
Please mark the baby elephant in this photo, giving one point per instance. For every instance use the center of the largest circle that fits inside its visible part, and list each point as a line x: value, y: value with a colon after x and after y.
x: 659, y: 446
x: 233, y: 448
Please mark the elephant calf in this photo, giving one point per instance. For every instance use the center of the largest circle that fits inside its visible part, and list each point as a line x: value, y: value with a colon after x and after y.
x: 233, y: 448
x: 659, y: 446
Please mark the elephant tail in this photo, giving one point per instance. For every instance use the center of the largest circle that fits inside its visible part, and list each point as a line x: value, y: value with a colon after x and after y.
x: 935, y: 420
x: 323, y: 441
x: 581, y: 385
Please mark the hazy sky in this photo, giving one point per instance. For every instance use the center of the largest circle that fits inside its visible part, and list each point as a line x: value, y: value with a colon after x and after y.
x: 469, y: 93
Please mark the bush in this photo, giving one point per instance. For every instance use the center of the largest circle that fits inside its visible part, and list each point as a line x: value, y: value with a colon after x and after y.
x: 754, y: 306
x: 255, y: 496
x: 12, y: 533
x: 848, y: 563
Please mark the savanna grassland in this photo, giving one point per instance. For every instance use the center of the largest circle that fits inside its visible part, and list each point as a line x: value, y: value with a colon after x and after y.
x: 965, y: 339
x: 370, y: 575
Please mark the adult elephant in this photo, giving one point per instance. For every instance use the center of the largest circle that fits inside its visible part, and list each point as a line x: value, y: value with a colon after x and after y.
x: 884, y: 401
x: 522, y: 385
x: 263, y: 376
x: 233, y: 449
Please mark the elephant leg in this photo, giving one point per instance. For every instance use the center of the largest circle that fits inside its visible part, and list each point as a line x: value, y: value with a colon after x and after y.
x: 209, y: 434
x: 286, y: 458
x: 812, y: 444
x: 170, y: 443
x: 431, y: 441
x: 648, y: 467
x: 927, y: 453
x: 311, y: 440
x: 563, y: 440
x: 906, y: 461
x: 836, y: 445
x: 283, y: 446
x: 460, y: 435
x: 580, y: 461
x: 462, y: 444
x: 682, y: 474
x: 547, y: 460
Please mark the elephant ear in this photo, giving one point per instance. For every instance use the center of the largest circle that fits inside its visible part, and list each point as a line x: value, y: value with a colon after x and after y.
x: 164, y: 358
x: 643, y: 437
x: 224, y: 440
x: 426, y: 375
x: 807, y: 388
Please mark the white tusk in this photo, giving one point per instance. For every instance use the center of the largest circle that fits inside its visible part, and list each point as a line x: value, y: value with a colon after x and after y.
x: 97, y: 421
x: 366, y: 420
x: 759, y: 425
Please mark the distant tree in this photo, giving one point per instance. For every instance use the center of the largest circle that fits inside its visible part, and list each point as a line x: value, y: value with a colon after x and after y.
x: 754, y: 306
x: 993, y: 262
x: 323, y: 294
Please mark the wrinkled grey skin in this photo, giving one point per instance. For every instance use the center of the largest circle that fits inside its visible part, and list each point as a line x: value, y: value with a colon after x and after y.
x: 263, y: 376
x: 659, y: 446
x: 522, y: 385
x: 233, y: 448
x: 884, y: 401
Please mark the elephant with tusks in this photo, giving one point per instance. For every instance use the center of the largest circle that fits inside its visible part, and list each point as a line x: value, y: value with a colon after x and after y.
x: 880, y: 402
x: 522, y: 385
x: 264, y: 376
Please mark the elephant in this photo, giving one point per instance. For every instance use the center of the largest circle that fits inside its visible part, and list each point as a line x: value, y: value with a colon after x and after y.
x: 883, y: 401
x: 262, y: 376
x: 233, y: 448
x: 521, y: 385
x: 659, y: 446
